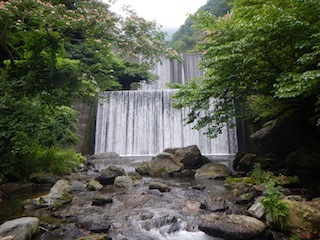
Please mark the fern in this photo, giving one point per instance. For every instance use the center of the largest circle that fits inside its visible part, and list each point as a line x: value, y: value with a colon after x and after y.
x: 275, y: 207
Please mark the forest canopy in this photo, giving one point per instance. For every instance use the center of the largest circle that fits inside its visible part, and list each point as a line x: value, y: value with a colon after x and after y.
x: 53, y: 52
x: 261, y: 61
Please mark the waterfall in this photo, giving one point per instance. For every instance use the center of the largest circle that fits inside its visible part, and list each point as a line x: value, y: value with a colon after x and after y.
x: 143, y: 122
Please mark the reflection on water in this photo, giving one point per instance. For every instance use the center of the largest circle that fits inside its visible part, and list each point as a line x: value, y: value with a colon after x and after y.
x: 11, y: 207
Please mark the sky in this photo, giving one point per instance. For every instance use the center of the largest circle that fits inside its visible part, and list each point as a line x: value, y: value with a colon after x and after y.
x: 168, y: 13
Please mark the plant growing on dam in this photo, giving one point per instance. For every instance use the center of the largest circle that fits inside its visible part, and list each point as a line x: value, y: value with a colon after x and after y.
x: 53, y: 52
x: 261, y: 61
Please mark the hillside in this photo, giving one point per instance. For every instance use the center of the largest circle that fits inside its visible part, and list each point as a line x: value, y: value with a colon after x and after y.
x: 185, y: 38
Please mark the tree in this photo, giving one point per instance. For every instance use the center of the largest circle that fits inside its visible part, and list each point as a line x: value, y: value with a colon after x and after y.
x: 260, y: 62
x: 53, y: 52
x: 186, y: 37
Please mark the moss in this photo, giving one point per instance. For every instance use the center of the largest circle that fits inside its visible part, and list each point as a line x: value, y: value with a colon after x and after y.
x: 245, y: 180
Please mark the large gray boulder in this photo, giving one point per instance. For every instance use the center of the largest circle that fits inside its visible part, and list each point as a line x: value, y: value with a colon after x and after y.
x: 21, y: 228
x: 107, y: 176
x: 233, y: 227
x: 213, y: 171
x: 189, y: 156
x: 59, y: 195
x: 164, y: 164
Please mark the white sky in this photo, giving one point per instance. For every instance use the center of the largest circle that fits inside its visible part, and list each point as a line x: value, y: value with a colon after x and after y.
x: 168, y: 13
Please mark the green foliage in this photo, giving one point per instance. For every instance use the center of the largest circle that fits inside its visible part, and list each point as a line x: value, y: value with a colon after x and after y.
x: 187, y: 36
x: 53, y: 52
x: 260, y: 62
x: 295, y: 237
x: 275, y: 207
x: 56, y: 161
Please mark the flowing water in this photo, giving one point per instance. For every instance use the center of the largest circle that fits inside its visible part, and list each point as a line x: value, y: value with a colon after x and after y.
x: 144, y: 123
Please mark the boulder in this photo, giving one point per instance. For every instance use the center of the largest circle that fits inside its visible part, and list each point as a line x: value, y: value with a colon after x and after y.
x: 213, y: 171
x: 21, y: 228
x: 143, y: 169
x: 58, y: 195
x: 123, y: 182
x: 244, y: 162
x: 281, y: 137
x: 305, y: 161
x: 304, y: 217
x: 189, y: 156
x: 94, y: 185
x: 164, y: 164
x: 77, y: 186
x: 235, y: 227
x: 95, y: 223
x: 107, y: 176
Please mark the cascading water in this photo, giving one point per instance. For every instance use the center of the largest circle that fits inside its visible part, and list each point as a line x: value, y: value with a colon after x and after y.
x: 143, y: 122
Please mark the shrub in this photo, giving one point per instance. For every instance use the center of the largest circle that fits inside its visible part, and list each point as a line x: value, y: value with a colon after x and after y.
x: 57, y: 161
x: 276, y: 209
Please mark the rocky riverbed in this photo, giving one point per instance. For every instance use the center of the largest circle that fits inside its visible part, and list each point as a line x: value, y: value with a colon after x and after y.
x: 110, y: 200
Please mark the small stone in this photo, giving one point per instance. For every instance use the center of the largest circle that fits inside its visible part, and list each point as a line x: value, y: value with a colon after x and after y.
x: 101, y: 200
x: 245, y: 198
x: 199, y: 187
x: 160, y: 186
x: 257, y: 210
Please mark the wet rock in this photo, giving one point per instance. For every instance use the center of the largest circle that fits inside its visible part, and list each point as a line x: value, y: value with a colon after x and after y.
x: 60, y: 186
x: 257, y: 210
x: 22, y: 228
x: 160, y: 186
x: 134, y: 175
x: 155, y: 192
x: 143, y: 169
x: 235, y: 227
x: 213, y: 171
x: 101, y: 200
x: 245, y: 198
x: 199, y: 187
x: 95, y: 237
x: 189, y: 156
x: 77, y: 186
x: 43, y: 178
x: 123, y: 182
x: 160, y: 222
x: 146, y: 215
x: 95, y: 222
x: 304, y: 217
x: 107, y: 176
x: 214, y: 206
x: 94, y: 185
x: 58, y: 196
x: 164, y: 164
x: 244, y: 162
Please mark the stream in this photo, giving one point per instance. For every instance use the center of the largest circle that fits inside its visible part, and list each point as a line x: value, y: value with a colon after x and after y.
x: 136, y: 213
